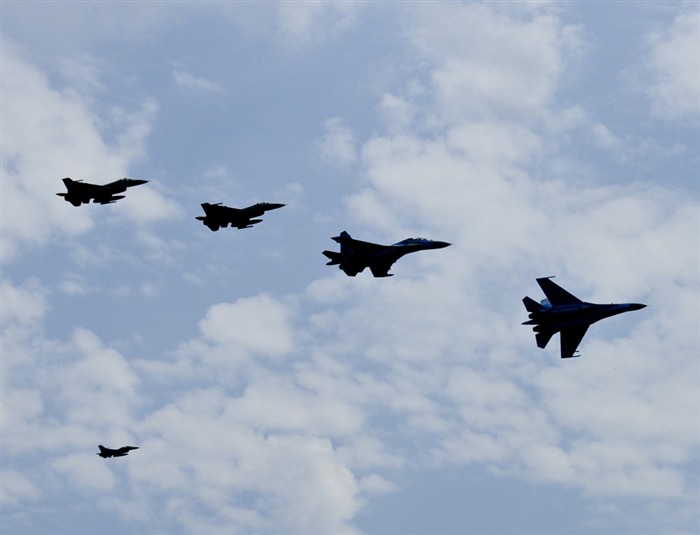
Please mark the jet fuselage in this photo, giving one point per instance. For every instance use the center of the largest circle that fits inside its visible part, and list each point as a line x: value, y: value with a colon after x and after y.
x: 566, y: 314
x: 584, y: 313
x: 356, y: 255
x: 118, y: 452
x: 218, y: 215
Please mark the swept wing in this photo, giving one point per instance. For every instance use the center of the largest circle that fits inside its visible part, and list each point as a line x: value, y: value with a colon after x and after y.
x: 570, y: 339
x: 557, y: 295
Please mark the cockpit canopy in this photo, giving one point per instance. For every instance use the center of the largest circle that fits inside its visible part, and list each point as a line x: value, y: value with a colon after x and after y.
x: 414, y: 240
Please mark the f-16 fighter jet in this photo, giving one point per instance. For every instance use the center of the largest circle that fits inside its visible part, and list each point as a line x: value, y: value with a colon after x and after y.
x: 356, y: 255
x: 563, y: 313
x: 83, y: 192
x: 119, y: 452
x: 223, y: 216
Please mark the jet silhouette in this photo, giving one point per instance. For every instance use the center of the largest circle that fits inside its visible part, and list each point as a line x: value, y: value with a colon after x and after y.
x: 356, y: 255
x: 119, y: 452
x: 83, y: 192
x: 218, y: 215
x: 566, y: 314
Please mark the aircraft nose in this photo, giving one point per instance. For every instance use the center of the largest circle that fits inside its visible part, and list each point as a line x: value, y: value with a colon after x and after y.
x: 137, y: 181
x: 440, y: 244
x: 273, y: 205
x: 636, y: 306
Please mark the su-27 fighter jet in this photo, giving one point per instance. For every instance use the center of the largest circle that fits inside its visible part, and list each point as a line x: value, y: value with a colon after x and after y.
x: 566, y: 314
x: 223, y: 216
x: 119, y: 452
x: 83, y: 192
x: 356, y: 255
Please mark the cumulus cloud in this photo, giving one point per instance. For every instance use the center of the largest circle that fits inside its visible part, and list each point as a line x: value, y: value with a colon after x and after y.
x: 473, y: 182
x: 257, y: 325
x: 22, y: 304
x: 673, y: 60
x: 286, y: 414
x: 486, y: 62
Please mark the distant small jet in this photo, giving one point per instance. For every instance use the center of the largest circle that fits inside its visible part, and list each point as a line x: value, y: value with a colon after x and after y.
x: 356, y: 255
x: 562, y: 312
x: 218, y: 215
x: 119, y: 452
x: 83, y: 192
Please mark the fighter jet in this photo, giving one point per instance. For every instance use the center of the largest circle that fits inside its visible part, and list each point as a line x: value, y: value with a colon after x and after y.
x: 119, y: 452
x: 221, y: 216
x: 563, y: 313
x: 83, y: 192
x: 356, y: 255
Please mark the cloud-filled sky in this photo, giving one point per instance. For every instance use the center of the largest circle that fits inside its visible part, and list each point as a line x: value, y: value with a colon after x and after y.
x: 270, y: 393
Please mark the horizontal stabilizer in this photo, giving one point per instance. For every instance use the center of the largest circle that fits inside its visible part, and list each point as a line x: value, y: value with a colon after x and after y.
x: 571, y: 356
x: 334, y: 257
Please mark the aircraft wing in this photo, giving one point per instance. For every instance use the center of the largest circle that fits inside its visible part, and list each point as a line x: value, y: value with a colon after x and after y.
x: 78, y: 191
x: 239, y: 217
x: 557, y: 295
x: 570, y: 339
x: 380, y: 266
x: 107, y: 199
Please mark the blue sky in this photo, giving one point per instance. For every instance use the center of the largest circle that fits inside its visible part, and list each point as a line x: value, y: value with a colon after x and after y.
x: 270, y: 393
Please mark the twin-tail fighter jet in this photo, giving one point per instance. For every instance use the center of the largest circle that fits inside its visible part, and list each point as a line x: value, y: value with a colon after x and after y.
x: 566, y: 314
x: 356, y: 255
x: 119, y: 452
x: 80, y: 192
x: 218, y: 215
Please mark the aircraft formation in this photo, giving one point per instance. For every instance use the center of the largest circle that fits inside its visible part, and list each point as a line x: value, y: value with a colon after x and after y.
x: 561, y: 312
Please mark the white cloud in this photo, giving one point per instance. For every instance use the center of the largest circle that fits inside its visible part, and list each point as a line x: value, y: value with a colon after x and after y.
x: 82, y: 471
x: 338, y: 143
x: 189, y: 81
x: 313, y: 21
x: 248, y: 325
x: 148, y: 204
x: 23, y: 305
x: 17, y: 488
x: 675, y: 66
x: 486, y: 63
x: 398, y: 113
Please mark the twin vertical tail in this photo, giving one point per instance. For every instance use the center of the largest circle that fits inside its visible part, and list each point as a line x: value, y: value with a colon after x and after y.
x: 542, y: 335
x: 533, y: 306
